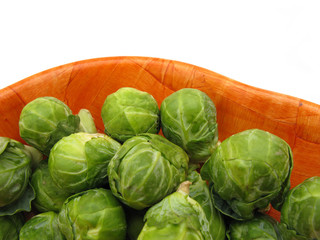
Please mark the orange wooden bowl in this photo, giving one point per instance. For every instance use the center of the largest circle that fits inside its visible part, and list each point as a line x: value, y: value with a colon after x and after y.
x: 86, y: 84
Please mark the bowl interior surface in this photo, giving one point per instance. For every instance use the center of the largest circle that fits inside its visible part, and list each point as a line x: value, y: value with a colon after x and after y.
x: 86, y: 84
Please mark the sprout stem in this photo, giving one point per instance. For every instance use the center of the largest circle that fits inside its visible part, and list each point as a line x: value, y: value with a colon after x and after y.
x: 184, y: 187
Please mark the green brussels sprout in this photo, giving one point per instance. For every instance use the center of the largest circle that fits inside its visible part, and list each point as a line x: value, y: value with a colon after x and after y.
x: 261, y: 227
x: 86, y: 122
x: 200, y: 192
x: 44, y: 121
x: 15, y: 170
x: 49, y: 197
x: 10, y: 227
x: 43, y: 226
x: 93, y: 214
x: 177, y: 216
x: 247, y: 171
x: 146, y: 169
x: 301, y: 209
x: 188, y: 119
x: 129, y: 112
x: 79, y: 161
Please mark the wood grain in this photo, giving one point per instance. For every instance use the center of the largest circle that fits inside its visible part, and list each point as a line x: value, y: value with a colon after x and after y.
x: 85, y: 84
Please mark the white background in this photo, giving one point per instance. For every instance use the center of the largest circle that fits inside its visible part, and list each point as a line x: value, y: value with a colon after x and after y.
x: 271, y: 44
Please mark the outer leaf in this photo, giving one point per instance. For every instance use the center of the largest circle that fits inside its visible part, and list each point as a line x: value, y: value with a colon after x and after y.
x: 223, y: 206
x: 200, y: 192
x: 64, y: 128
x: 21, y: 204
x: 65, y: 223
x: 278, y: 201
x: 289, y: 234
x: 99, y: 151
x: 86, y: 122
x: 4, y: 141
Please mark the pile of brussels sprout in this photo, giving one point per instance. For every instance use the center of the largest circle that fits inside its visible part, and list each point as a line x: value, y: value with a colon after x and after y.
x: 132, y: 182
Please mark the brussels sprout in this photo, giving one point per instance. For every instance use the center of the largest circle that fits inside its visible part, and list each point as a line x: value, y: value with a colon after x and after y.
x: 247, y: 171
x: 260, y: 227
x: 10, y: 227
x: 177, y: 216
x: 15, y: 170
x: 301, y: 209
x: 129, y: 112
x: 79, y: 161
x: 93, y: 214
x: 86, y: 122
x: 49, y: 197
x: 146, y: 169
x: 46, y: 120
x: 200, y: 192
x: 43, y: 226
x: 188, y: 119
